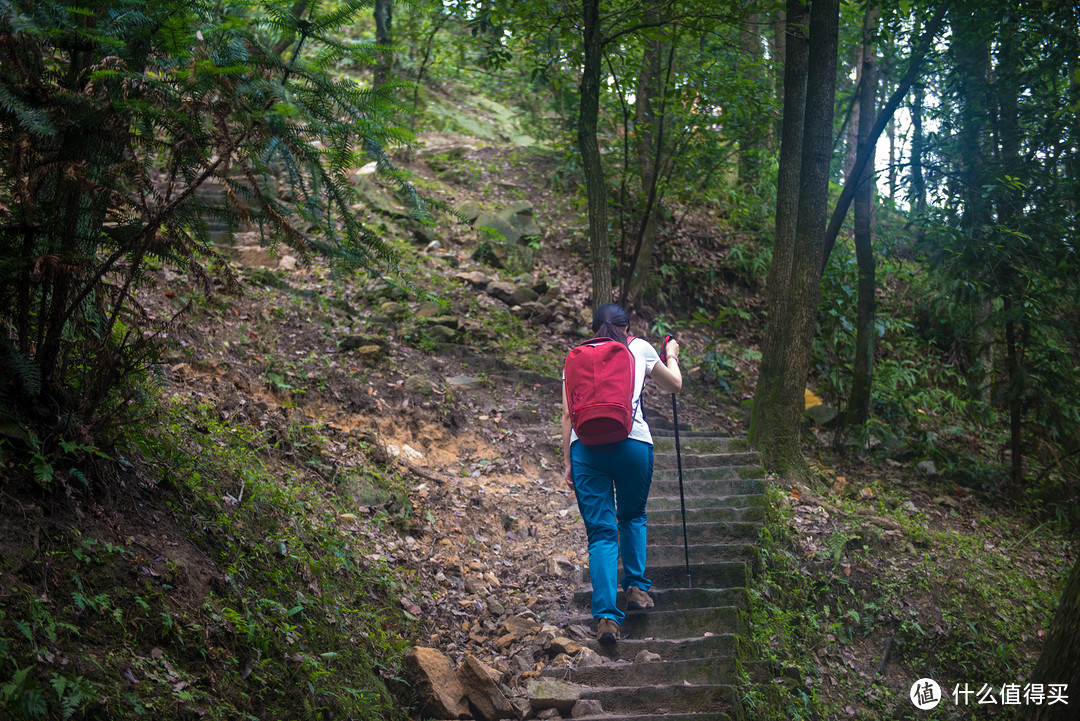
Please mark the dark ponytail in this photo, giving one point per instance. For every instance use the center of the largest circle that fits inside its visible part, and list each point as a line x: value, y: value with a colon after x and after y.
x: 609, y: 320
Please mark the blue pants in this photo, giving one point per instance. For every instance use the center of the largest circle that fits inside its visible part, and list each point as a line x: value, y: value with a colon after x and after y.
x: 612, y: 486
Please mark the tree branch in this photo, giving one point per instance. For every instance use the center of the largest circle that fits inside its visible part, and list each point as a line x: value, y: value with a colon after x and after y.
x: 865, y: 151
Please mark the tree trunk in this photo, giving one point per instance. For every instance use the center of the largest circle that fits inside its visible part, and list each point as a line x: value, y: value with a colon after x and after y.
x: 1009, y: 209
x: 298, y: 9
x: 763, y: 414
x: 917, y: 196
x: 846, y: 195
x: 648, y: 126
x: 917, y: 199
x: 891, y: 132
x: 971, y: 51
x: 1059, y: 662
x: 859, y: 407
x: 751, y: 135
x: 793, y: 325
x: 779, y: 56
x: 851, y: 138
x: 384, y: 38
x: 596, y: 193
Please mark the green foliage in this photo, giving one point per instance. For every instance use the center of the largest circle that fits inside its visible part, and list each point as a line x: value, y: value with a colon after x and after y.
x: 130, y: 126
x: 299, y: 621
x: 783, y: 621
x: 751, y: 259
x: 956, y: 602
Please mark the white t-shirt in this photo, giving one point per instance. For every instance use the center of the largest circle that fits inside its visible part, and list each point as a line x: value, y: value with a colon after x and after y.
x: 645, y: 357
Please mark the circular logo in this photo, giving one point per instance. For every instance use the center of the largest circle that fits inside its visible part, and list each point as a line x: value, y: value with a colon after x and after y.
x: 925, y: 694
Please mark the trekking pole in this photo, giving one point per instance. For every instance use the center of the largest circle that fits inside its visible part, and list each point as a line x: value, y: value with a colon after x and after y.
x: 678, y: 461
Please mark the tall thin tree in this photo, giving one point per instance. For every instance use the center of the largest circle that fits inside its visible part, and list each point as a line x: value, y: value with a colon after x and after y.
x: 858, y: 411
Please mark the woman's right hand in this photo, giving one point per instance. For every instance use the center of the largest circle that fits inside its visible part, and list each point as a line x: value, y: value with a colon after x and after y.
x: 671, y: 350
x: 569, y: 475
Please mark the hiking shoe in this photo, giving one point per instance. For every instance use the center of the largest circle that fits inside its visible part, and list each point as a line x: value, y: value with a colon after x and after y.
x: 607, y: 631
x: 637, y: 599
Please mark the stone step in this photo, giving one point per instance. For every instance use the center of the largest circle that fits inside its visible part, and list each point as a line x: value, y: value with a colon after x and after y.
x: 718, y: 473
x: 666, y: 699
x: 699, y: 622
x: 711, y: 487
x: 674, y: 554
x: 721, y: 575
x: 670, y: 501
x: 666, y: 534
x: 704, y: 515
x: 658, y: 431
x: 731, y: 574
x: 669, y: 649
x: 684, y: 623
x: 701, y: 444
x: 674, y: 599
x: 667, y: 461
x: 702, y: 716
x: 719, y: 669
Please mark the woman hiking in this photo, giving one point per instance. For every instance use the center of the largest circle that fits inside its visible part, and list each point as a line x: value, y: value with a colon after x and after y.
x: 611, y: 480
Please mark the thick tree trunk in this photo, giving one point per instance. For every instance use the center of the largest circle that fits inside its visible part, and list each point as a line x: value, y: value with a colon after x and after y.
x: 1059, y: 663
x: 762, y: 412
x: 384, y: 38
x: 859, y: 408
x: 596, y: 193
x: 779, y: 437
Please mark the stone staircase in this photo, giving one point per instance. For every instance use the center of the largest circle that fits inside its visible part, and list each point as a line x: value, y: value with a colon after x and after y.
x: 679, y: 660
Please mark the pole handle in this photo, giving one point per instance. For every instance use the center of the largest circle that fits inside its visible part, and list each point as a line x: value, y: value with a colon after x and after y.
x: 663, y: 348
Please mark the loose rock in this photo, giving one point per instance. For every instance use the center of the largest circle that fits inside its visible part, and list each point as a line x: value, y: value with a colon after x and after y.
x: 646, y: 656
x: 586, y: 707
x: 545, y: 693
x: 435, y: 681
x: 587, y: 657
x: 484, y: 694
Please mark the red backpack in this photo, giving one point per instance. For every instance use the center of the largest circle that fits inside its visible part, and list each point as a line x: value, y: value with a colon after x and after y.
x: 599, y: 377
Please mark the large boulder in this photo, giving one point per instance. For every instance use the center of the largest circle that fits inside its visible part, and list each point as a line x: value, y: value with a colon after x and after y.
x: 515, y: 223
x: 475, y: 278
x: 470, y: 210
x: 373, y: 196
x: 360, y: 340
x: 508, y: 232
x: 257, y: 256
x: 499, y: 226
x: 533, y: 312
x: 511, y: 294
